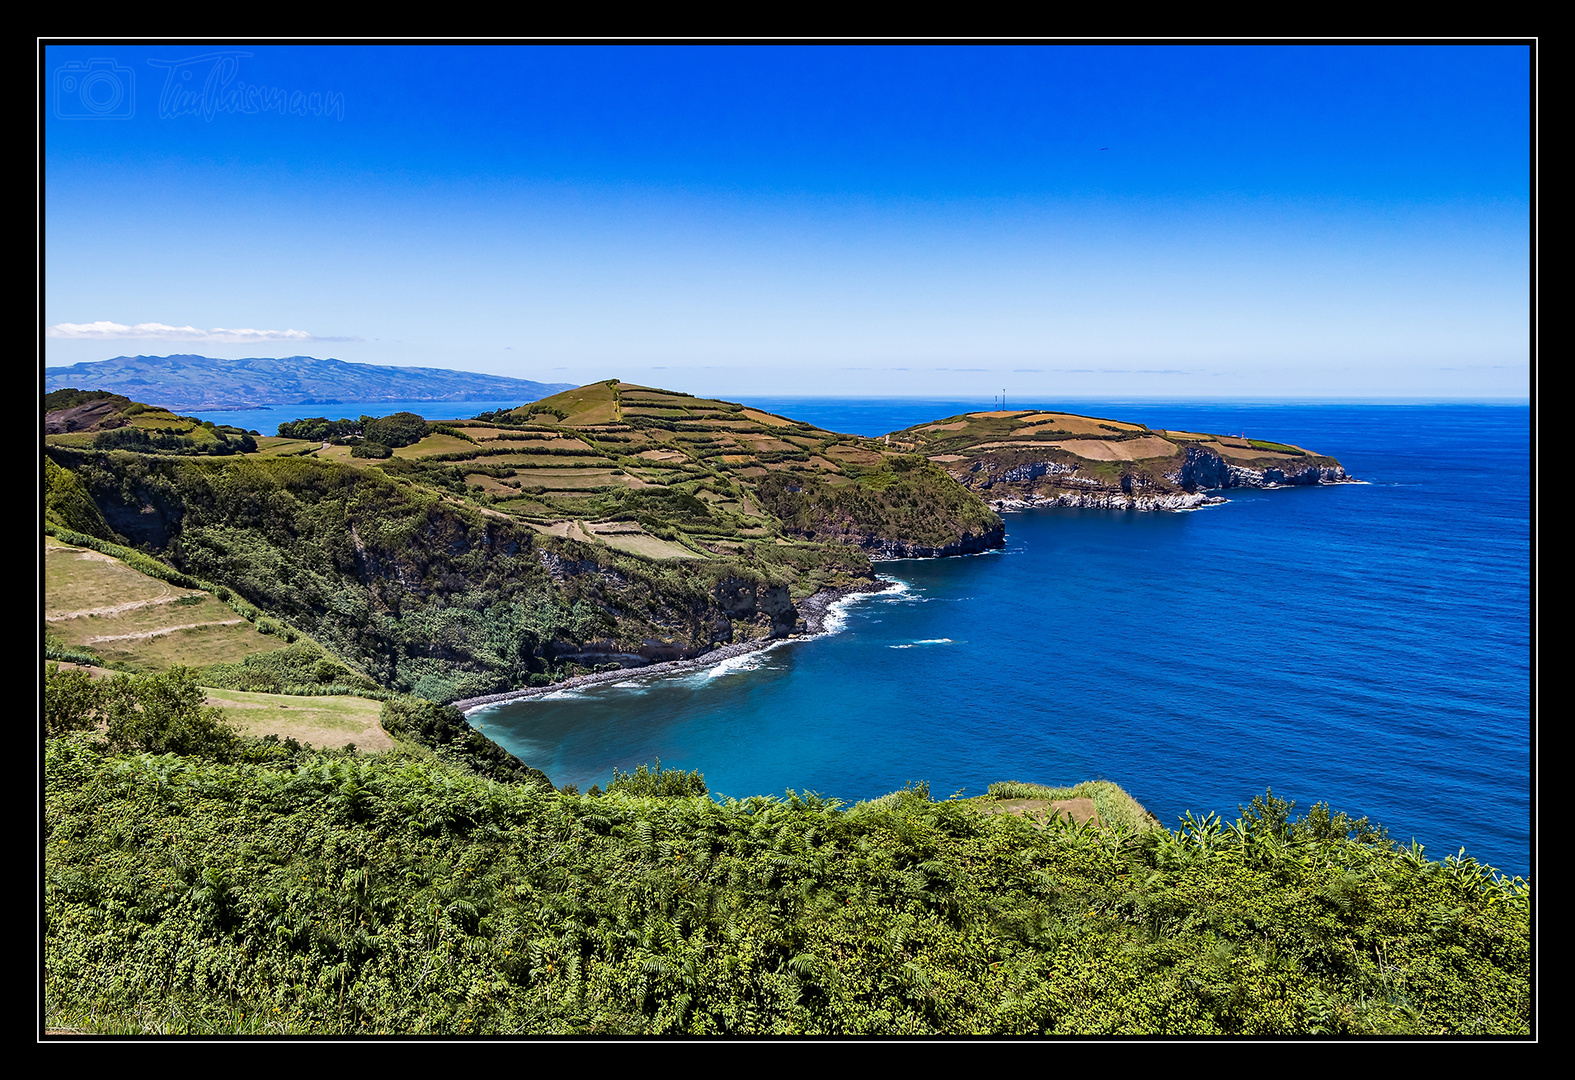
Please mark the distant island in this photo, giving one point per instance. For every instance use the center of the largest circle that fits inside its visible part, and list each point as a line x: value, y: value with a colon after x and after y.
x: 191, y: 383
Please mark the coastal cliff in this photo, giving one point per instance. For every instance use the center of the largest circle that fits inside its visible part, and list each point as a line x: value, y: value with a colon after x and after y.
x: 613, y: 526
x: 1026, y: 458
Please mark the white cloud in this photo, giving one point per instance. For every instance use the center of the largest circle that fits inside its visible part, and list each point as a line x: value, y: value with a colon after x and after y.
x: 104, y: 330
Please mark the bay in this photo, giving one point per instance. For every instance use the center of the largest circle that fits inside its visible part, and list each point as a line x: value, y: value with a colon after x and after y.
x: 1368, y: 645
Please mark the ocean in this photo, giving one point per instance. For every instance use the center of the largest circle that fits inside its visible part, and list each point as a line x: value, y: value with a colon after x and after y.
x: 1365, y: 645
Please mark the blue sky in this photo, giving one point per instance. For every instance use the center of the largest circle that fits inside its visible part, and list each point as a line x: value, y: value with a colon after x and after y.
x: 1146, y: 220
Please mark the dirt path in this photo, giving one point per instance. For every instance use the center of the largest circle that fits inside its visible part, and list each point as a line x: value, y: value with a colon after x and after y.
x: 162, y: 630
x: 114, y: 609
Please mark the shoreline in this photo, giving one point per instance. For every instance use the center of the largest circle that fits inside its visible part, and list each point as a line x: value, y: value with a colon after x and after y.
x: 813, y: 610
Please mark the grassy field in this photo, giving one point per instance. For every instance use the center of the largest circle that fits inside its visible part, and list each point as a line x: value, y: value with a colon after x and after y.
x: 322, y: 722
x: 650, y: 547
x: 99, y: 605
x: 434, y: 444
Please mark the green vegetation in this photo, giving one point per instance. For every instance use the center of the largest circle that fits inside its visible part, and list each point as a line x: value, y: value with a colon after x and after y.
x: 443, y: 728
x: 900, y: 498
x: 198, y: 879
x: 1114, y: 807
x: 157, y: 714
x: 485, y: 556
x: 259, y: 888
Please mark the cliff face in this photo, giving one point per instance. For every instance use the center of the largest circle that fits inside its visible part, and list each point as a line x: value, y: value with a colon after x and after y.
x: 913, y: 510
x: 429, y: 596
x: 1206, y: 469
x: 1021, y: 459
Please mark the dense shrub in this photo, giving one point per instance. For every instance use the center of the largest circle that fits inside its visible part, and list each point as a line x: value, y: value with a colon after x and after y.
x: 156, y: 714
x: 655, y: 781
x: 398, y: 429
x: 340, y: 894
x: 443, y: 727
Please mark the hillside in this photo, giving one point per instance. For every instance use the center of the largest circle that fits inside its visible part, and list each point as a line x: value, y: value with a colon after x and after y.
x: 185, y: 382
x: 612, y: 526
x: 608, y: 526
x: 106, y: 421
x: 754, y: 477
x: 1035, y: 458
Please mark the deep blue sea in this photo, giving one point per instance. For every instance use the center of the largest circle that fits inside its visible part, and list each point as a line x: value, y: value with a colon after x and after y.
x: 1366, y: 645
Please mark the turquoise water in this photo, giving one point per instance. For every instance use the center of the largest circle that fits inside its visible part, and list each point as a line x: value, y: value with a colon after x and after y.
x: 1368, y: 645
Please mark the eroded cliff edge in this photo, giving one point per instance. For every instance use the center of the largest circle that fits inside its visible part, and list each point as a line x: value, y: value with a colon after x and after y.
x: 1024, y: 458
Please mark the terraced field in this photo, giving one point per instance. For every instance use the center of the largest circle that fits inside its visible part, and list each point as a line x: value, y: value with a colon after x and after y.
x: 141, y: 624
x: 1036, y: 456
x: 644, y: 471
x: 97, y: 605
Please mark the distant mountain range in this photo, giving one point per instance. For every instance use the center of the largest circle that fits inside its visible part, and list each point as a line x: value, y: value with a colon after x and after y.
x: 190, y: 383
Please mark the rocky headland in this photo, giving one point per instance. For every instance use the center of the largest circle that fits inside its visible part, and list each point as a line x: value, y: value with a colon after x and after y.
x: 1025, y: 458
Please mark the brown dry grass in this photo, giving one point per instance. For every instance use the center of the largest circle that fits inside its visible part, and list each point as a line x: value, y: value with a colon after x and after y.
x: 576, y: 479
x: 1151, y: 446
x: 1077, y: 425
x: 855, y: 454
x: 490, y: 484
x: 1079, y: 810
x: 650, y: 547
x: 767, y: 419
x: 1248, y: 453
x: 317, y: 721
x: 95, y: 601
x: 767, y: 443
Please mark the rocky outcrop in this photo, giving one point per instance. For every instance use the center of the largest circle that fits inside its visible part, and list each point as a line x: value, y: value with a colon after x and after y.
x: 1109, y: 500
x: 883, y: 549
x: 1206, y: 470
x: 1185, y: 487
